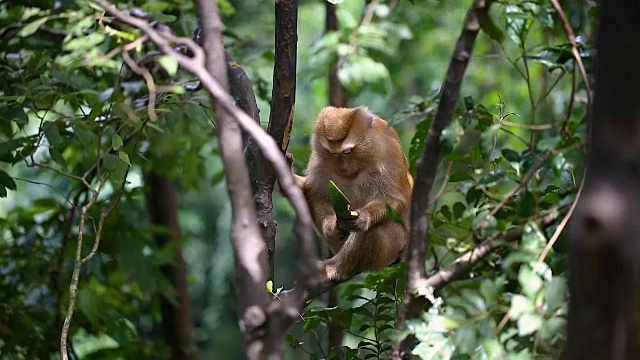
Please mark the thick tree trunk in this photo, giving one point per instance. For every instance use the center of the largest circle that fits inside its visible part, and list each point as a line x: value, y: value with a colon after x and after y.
x: 177, y: 319
x: 604, y: 235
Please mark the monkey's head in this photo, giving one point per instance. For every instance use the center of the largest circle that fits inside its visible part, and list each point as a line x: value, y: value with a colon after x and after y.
x: 343, y: 139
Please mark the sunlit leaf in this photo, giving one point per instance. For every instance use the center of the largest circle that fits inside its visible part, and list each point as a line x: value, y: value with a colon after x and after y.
x: 520, y: 305
x: 169, y: 63
x: 530, y: 281
x: 32, y: 27
x: 528, y: 324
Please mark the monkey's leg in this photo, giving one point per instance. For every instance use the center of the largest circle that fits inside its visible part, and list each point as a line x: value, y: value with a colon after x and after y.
x: 371, y: 250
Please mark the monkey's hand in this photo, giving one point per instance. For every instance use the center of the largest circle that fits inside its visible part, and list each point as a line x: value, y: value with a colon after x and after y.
x: 289, y: 157
x: 359, y: 224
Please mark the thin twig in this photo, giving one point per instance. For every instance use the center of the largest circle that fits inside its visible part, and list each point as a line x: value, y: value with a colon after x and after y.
x: 75, y: 277
x: 529, y: 126
x: 148, y: 78
x: 96, y: 243
x: 371, y: 10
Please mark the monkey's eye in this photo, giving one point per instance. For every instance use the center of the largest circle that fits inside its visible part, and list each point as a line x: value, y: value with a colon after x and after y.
x: 347, y: 150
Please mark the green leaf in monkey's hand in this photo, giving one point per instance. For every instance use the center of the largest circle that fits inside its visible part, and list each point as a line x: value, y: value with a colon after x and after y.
x: 341, y: 204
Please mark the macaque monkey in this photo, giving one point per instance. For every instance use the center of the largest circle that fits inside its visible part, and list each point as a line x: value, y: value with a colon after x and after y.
x: 362, y: 154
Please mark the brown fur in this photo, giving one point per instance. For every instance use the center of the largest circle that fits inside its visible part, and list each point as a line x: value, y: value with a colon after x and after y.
x: 374, y: 173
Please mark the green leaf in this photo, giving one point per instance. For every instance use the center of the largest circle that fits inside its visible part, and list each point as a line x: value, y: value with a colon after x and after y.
x: 346, y: 19
x: 552, y: 329
x: 549, y: 143
x: 528, y: 324
x: 520, y: 305
x: 458, y: 210
x: 556, y: 293
x: 493, y: 349
x: 310, y: 322
x: 116, y: 142
x: 530, y: 281
x: 7, y: 181
x: 525, y: 204
x: 418, y: 141
x: 488, y: 140
x: 490, y: 28
x: 489, y: 291
x: 293, y: 341
x: 450, y: 137
x: 57, y: 157
x: 460, y: 176
x: 341, y: 204
x: 510, y: 155
x: 446, y: 212
x: 32, y: 27
x: 169, y: 63
x: 13, y: 113
x: 89, y: 303
x: 116, y: 167
x: 85, y: 42
x: 88, y: 139
x: 124, y: 157
x: 52, y: 133
x: 533, y: 239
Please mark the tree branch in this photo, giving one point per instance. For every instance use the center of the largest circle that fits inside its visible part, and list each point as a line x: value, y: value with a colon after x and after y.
x: 250, y: 250
x: 261, y: 184
x: 427, y: 169
x: 465, y: 263
x: 283, y: 95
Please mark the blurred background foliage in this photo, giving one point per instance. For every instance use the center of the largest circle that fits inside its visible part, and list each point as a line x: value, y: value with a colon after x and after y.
x: 70, y: 110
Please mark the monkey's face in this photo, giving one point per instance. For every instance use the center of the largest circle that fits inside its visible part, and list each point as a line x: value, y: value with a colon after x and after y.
x: 344, y: 158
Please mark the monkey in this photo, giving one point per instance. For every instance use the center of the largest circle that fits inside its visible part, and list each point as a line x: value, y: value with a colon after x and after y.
x: 362, y: 154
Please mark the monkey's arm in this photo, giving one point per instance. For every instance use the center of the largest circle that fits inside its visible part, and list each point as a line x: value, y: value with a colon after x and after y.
x: 300, y: 180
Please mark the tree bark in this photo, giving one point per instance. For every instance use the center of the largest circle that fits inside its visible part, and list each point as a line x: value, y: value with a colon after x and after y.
x: 250, y: 250
x: 604, y: 266
x: 427, y: 169
x: 261, y: 173
x: 177, y: 319
x: 337, y: 93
